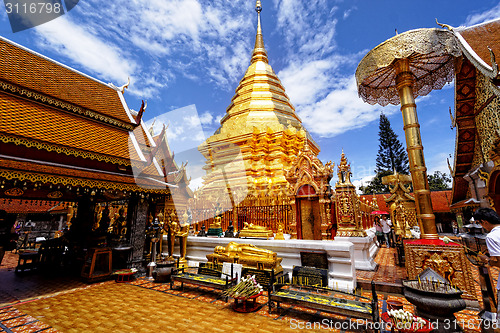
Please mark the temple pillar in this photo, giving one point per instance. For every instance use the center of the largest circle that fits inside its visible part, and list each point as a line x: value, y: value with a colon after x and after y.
x: 418, y: 170
x: 137, y: 219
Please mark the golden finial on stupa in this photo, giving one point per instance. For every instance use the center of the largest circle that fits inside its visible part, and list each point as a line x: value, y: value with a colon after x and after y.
x: 259, y: 51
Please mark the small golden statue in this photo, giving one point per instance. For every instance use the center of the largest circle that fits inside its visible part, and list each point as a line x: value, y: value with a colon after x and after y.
x: 171, y: 228
x: 255, y: 231
x: 215, y: 228
x: 279, y: 235
x: 182, y: 234
x: 248, y: 255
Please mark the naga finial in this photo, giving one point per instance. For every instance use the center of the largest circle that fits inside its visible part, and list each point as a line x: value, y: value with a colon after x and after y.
x: 494, y: 64
x: 125, y: 86
x: 446, y: 26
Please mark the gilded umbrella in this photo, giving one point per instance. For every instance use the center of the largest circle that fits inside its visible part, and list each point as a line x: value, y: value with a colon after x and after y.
x: 405, y: 66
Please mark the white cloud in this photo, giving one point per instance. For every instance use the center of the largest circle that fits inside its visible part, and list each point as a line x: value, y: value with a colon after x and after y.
x: 304, y: 83
x: 488, y: 15
x: 211, y: 38
x: 83, y: 47
x: 315, y: 76
x: 362, y: 182
x: 437, y: 162
x: 305, y: 26
x: 339, y: 111
x: 348, y: 12
x: 206, y: 118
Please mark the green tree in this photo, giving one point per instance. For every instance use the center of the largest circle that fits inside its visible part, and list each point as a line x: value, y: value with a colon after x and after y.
x: 391, y: 154
x: 439, y: 181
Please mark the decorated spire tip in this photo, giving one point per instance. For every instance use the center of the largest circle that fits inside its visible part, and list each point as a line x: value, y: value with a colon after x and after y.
x: 258, y: 7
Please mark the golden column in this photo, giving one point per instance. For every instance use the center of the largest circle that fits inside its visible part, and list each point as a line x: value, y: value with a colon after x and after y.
x: 418, y: 170
x: 408, y: 65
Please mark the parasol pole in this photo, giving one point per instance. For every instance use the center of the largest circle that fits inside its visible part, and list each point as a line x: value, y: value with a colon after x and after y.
x: 418, y: 170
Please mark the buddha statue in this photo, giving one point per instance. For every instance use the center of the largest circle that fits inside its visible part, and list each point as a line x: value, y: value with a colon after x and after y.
x: 255, y: 231
x: 279, y: 235
x: 246, y: 254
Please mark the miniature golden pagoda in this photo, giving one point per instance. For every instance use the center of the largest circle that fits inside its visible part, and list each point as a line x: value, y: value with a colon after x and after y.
x: 348, y: 210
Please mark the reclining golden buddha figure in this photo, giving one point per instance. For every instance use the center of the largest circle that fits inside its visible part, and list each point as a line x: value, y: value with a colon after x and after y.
x: 246, y: 254
x: 257, y: 231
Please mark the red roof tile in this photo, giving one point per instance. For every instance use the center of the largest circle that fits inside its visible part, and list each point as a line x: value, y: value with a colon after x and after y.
x: 35, y: 72
x: 28, y: 119
x: 482, y: 36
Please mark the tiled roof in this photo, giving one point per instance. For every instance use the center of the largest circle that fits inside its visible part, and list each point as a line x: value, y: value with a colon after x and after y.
x: 482, y: 36
x: 35, y: 72
x: 27, y: 119
x: 440, y: 200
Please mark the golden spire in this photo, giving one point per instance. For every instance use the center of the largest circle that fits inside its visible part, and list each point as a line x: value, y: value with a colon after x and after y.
x: 259, y: 51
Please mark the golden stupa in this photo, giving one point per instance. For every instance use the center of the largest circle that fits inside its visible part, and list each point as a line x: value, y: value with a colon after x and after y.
x: 261, y: 155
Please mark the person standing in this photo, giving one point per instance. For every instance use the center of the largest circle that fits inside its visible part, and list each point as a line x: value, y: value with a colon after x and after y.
x: 379, y: 232
x: 490, y: 221
x: 386, y: 229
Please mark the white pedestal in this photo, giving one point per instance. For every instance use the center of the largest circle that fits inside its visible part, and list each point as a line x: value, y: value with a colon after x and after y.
x: 340, y: 254
x: 365, y: 250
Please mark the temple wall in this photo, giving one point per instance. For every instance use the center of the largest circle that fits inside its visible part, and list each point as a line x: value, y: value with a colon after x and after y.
x: 487, y: 120
x: 340, y: 254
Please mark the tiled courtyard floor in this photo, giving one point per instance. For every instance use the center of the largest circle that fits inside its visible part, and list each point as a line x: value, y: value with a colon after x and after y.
x: 34, y: 303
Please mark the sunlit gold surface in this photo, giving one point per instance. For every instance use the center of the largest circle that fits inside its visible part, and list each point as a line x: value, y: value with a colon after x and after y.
x: 418, y: 170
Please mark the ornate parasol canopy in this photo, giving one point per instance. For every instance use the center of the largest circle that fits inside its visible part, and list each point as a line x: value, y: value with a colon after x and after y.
x: 431, y: 54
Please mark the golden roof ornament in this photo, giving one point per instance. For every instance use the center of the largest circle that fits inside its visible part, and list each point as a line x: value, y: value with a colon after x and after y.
x: 344, y: 172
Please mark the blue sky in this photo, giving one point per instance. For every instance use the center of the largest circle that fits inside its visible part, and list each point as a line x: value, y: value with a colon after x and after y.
x: 189, y: 55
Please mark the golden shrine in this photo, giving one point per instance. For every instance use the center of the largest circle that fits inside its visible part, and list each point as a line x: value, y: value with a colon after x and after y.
x: 401, y: 204
x: 261, y: 163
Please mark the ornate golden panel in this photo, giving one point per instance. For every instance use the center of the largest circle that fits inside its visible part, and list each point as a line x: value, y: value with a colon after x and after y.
x: 449, y: 260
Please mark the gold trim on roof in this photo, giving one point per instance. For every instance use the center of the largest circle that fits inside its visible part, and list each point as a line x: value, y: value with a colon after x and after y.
x: 63, y: 105
x: 54, y: 179
x: 61, y: 150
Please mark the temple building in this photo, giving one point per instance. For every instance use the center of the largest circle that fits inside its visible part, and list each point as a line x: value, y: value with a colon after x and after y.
x: 476, y: 166
x: 68, y: 137
x: 261, y: 163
